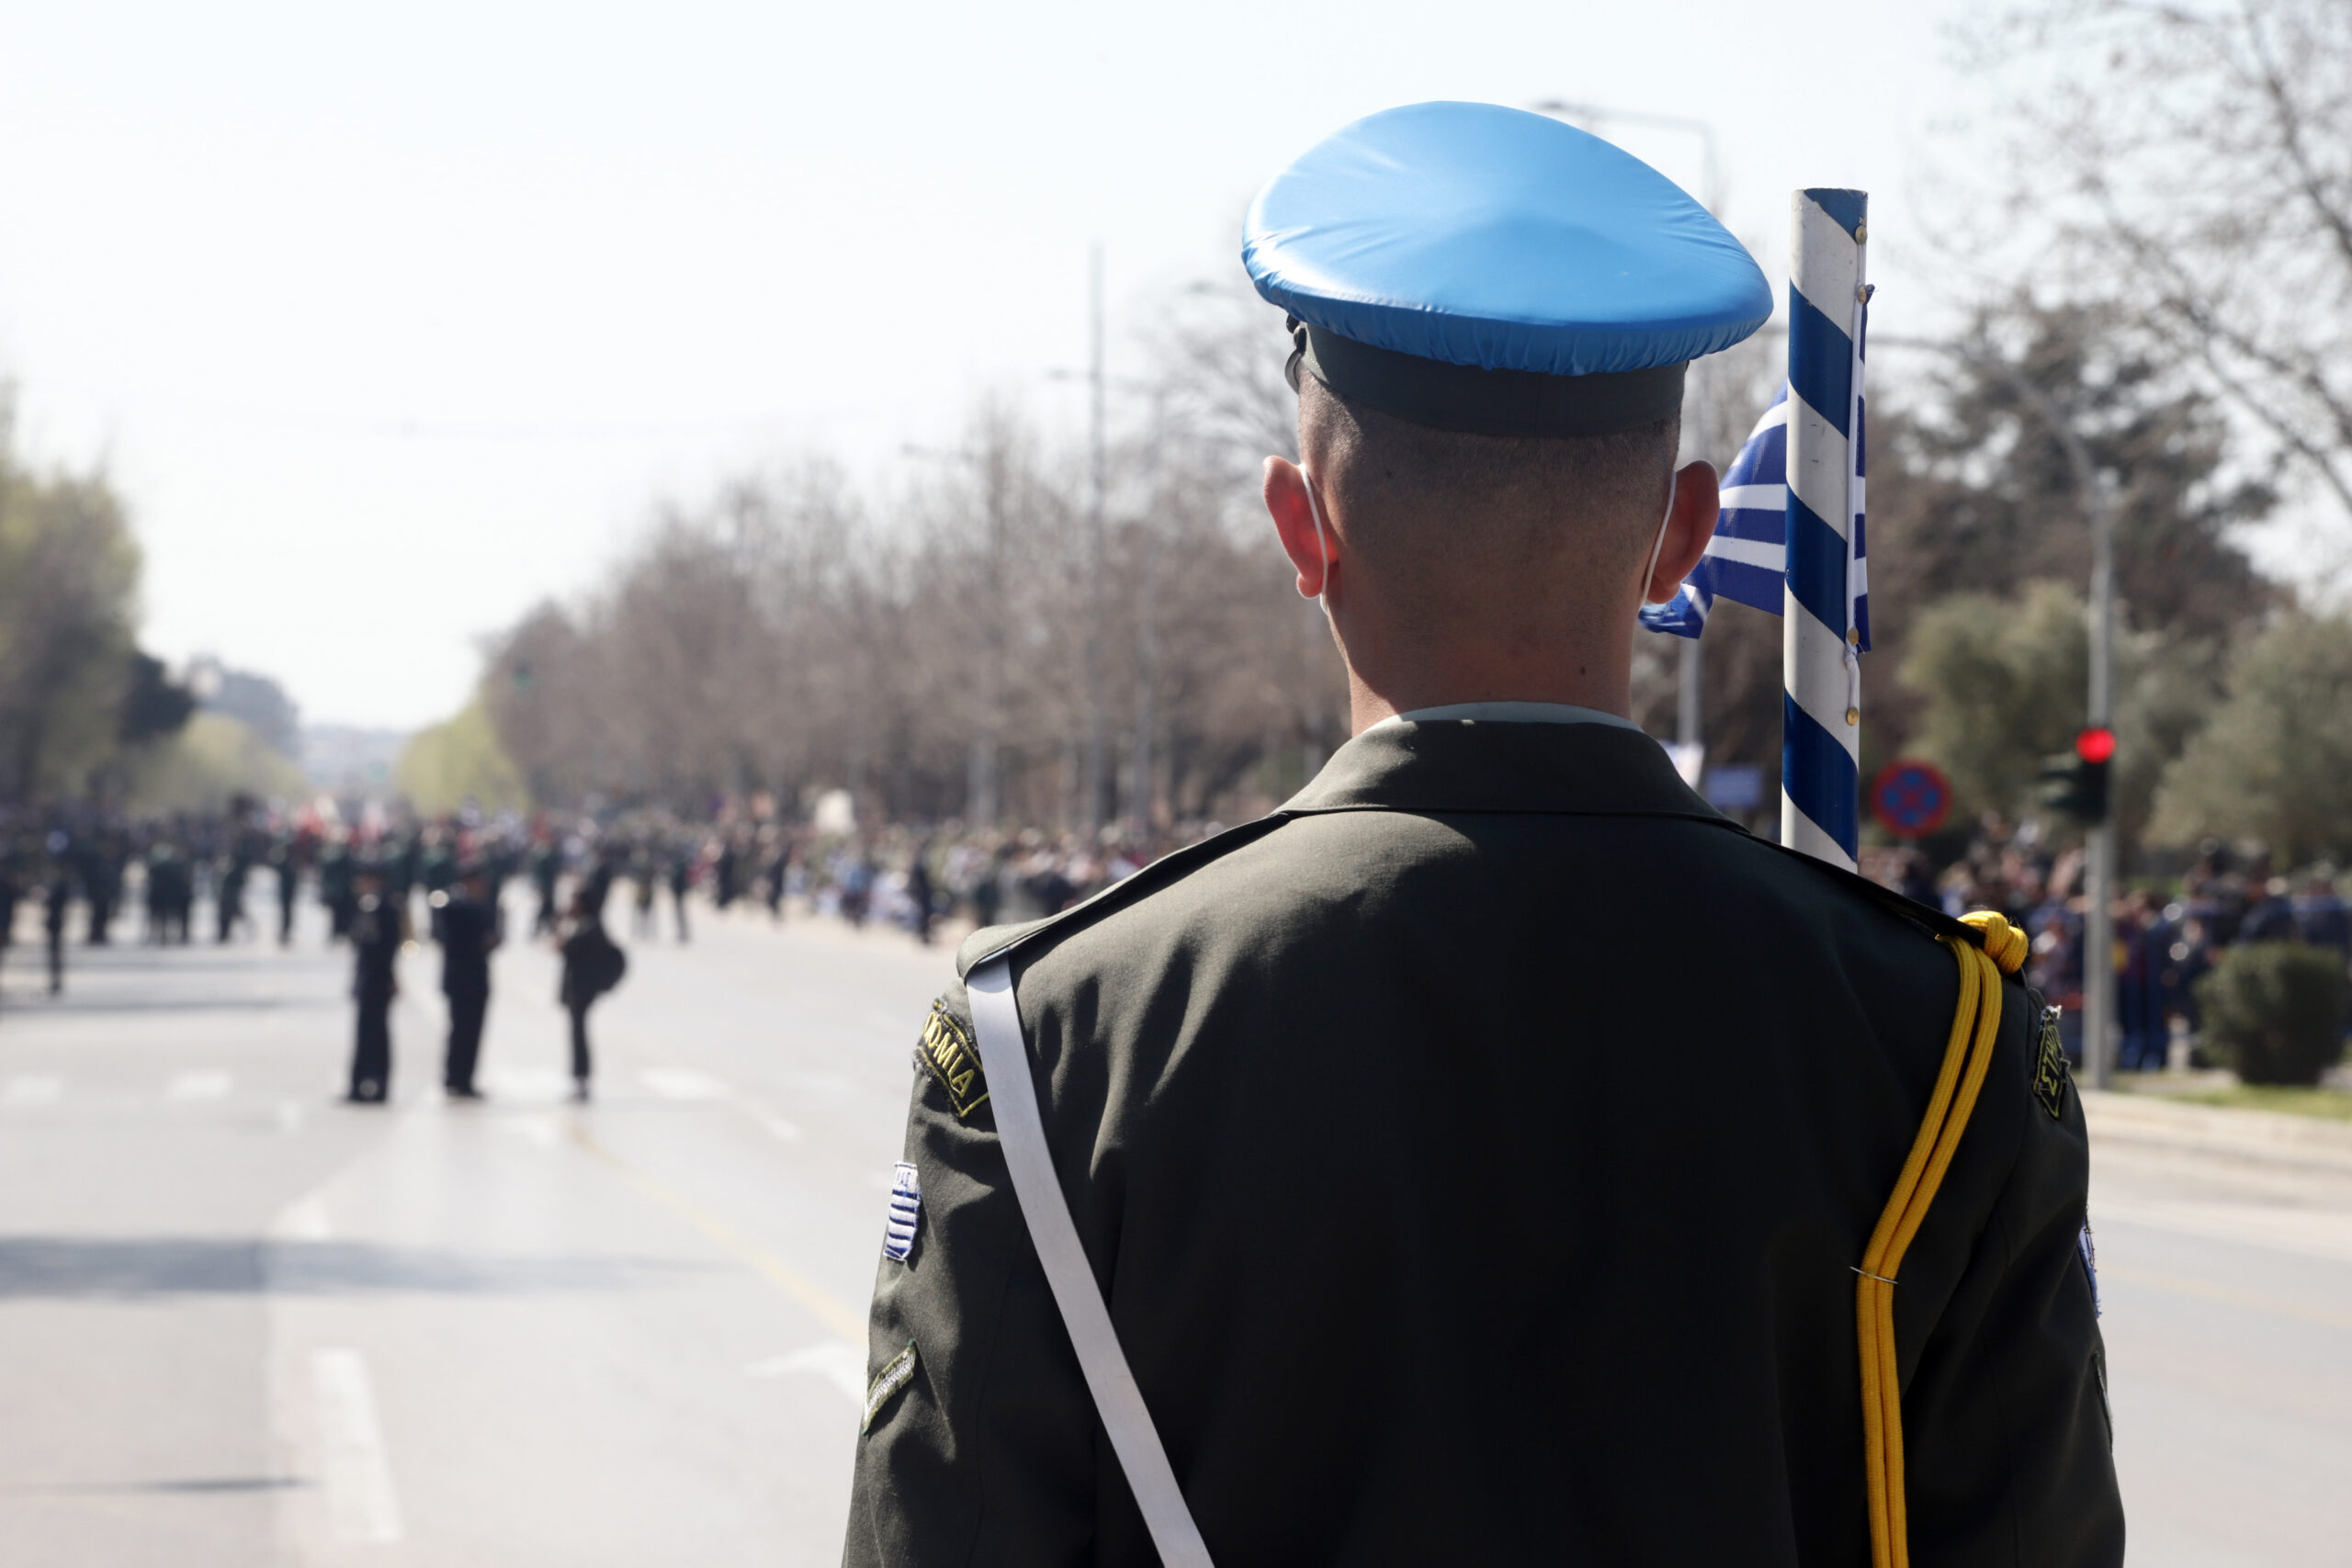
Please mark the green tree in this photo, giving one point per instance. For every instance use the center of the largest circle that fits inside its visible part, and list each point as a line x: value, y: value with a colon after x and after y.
x: 69, y: 584
x: 2003, y: 683
x: 460, y: 761
x: 1971, y: 489
x: 211, y: 758
x: 2276, y: 761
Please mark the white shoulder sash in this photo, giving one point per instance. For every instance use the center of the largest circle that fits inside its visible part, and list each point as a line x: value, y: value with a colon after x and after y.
x: 1004, y: 1057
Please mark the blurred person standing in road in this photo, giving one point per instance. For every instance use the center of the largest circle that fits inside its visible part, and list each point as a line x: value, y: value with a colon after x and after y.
x: 682, y: 873
x: 640, y: 877
x: 286, y: 860
x: 56, y: 897
x: 469, y: 927
x: 336, y: 886
x: 11, y: 889
x: 920, y: 913
x: 592, y: 965
x: 1477, y: 1160
x: 379, y: 928
x: 229, y: 894
x: 546, y: 865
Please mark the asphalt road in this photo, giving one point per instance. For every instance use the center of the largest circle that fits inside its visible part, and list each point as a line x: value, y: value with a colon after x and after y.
x: 240, y: 1324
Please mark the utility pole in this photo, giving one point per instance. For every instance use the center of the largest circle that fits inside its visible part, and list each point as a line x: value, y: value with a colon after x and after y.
x: 2096, y: 492
x: 1139, y: 794
x: 1093, y: 812
x: 983, y: 767
x: 981, y: 791
x: 2099, y: 916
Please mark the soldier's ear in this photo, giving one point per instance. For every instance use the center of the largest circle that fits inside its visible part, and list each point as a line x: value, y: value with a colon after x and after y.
x: 1294, y: 513
x: 1690, y: 524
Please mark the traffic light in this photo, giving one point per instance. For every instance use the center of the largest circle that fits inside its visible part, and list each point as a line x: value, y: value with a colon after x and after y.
x: 2075, y: 782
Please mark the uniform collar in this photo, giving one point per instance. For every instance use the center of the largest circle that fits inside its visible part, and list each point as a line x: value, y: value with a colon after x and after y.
x: 1510, y: 713
x: 1601, y: 766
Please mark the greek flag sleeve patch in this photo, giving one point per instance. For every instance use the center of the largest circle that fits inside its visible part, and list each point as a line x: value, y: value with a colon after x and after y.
x: 895, y: 1374
x: 949, y: 1055
x: 906, y: 1208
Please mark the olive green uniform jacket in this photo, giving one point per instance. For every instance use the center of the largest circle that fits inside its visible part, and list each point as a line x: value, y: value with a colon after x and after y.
x: 1476, y: 1157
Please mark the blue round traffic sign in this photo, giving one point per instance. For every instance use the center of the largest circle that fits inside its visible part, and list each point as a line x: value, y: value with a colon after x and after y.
x: 1912, y: 798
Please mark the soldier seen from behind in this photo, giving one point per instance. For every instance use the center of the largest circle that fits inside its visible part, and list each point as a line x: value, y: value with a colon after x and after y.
x: 1491, y: 1156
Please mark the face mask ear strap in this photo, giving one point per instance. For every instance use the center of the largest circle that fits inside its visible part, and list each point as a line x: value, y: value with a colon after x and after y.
x: 1322, y: 544
x: 1658, y: 549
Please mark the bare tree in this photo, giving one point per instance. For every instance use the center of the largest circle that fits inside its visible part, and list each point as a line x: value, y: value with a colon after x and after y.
x: 2196, y: 161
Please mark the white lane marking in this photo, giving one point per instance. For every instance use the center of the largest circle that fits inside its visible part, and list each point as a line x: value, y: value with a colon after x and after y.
x: 34, y: 1089
x: 836, y: 1361
x: 198, y: 1086
x: 538, y: 1131
x: 305, y: 1219
x: 289, y: 1116
x: 683, y: 1083
x: 351, y: 1449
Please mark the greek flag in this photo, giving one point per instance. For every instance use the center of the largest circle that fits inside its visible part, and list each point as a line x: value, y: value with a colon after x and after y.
x: 1746, y: 560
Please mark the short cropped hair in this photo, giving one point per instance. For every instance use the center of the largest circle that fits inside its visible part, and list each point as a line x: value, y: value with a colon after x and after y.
x: 1412, y: 494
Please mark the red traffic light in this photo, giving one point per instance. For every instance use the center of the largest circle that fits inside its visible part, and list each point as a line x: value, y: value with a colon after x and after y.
x: 2095, y: 744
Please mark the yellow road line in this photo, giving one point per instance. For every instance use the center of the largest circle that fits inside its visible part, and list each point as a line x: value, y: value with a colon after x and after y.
x: 2251, y: 1300
x: 850, y: 1325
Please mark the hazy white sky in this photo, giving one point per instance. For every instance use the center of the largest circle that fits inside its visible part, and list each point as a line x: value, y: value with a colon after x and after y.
x: 391, y: 320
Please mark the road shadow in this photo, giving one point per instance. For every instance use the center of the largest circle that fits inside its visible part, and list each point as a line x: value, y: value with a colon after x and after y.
x: 71, y: 1003
x: 70, y: 1267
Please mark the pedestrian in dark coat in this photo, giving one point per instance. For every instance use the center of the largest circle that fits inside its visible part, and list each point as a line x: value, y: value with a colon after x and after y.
x: 592, y: 965
x: 9, y: 892
x: 60, y: 894
x: 378, y: 927
x: 682, y: 873
x: 468, y: 924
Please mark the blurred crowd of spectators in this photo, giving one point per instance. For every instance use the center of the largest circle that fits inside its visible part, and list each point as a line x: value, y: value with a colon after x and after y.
x: 2166, y: 936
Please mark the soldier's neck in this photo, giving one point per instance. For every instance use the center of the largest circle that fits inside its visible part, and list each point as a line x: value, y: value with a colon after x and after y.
x: 1394, y: 676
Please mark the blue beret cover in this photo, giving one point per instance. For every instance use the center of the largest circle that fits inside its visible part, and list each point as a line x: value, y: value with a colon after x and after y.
x: 1475, y: 234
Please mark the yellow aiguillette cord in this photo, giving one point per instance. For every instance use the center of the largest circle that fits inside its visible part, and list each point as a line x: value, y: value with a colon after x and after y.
x: 1976, y: 1025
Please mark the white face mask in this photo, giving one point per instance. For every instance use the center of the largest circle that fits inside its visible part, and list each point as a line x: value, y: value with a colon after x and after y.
x: 1658, y: 548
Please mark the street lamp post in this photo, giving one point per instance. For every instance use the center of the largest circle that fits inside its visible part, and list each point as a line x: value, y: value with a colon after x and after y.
x: 1099, y: 480
x: 983, y: 765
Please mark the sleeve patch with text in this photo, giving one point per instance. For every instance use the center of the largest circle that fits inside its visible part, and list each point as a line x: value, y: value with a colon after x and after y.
x: 948, y: 1054
x: 897, y: 1374
x: 2050, y: 1063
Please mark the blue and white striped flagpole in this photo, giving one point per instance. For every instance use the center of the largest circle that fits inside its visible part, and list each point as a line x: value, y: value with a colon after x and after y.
x: 1821, y: 682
